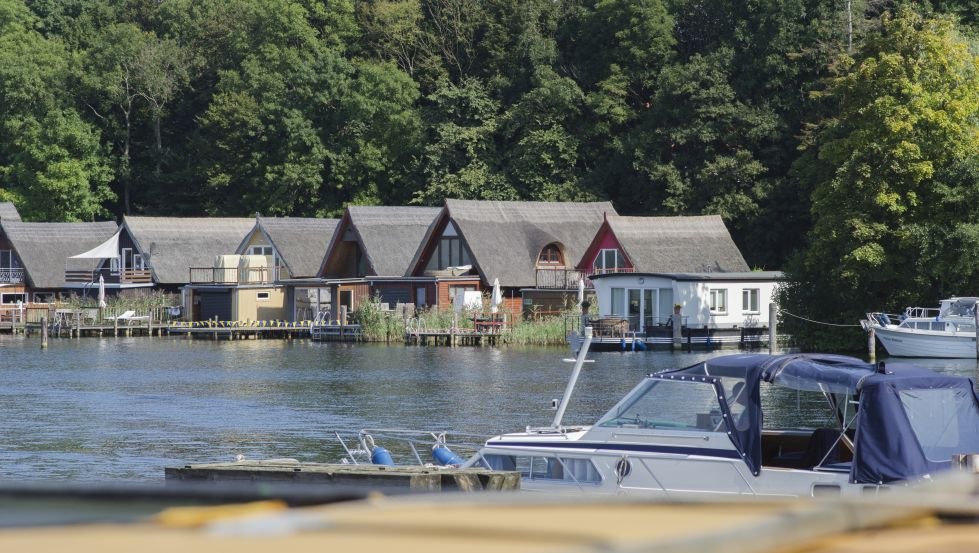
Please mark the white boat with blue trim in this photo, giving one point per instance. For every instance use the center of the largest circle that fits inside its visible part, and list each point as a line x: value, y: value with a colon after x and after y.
x: 700, y: 430
x: 948, y: 331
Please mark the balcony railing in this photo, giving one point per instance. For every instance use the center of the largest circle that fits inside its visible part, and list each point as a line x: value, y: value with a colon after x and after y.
x: 560, y: 279
x: 127, y: 276
x: 9, y: 275
x: 611, y: 270
x: 233, y: 275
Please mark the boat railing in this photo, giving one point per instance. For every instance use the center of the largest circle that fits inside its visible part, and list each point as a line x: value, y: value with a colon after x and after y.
x: 406, y: 446
x: 922, y: 312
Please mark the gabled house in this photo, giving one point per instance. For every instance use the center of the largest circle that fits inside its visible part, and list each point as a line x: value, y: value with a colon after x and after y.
x: 36, y: 255
x: 11, y: 269
x: 295, y: 247
x: 662, y: 245
x: 370, y: 255
x: 649, y: 271
x: 529, y: 247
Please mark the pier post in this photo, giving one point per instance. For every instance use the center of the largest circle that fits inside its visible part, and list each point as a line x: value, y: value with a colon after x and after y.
x: 44, y: 332
x: 871, y: 345
x: 772, y: 326
x: 115, y: 327
x: 677, y: 335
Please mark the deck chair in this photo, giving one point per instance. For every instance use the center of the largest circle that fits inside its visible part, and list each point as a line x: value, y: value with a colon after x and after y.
x: 125, y: 316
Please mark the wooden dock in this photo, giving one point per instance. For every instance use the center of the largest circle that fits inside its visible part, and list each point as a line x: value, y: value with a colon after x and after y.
x: 453, y: 337
x: 368, y: 477
x: 240, y: 331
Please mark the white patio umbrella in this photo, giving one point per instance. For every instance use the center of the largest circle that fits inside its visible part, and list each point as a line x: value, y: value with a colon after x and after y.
x: 581, y: 291
x: 497, y: 296
x: 102, y: 303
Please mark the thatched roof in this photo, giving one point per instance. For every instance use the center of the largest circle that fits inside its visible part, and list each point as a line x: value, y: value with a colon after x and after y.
x: 300, y: 242
x: 172, y: 245
x: 8, y: 212
x: 506, y: 238
x: 678, y: 244
x: 44, y: 248
x: 389, y: 235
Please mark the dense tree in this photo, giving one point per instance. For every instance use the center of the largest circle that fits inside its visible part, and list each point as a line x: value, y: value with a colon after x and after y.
x: 51, y: 161
x: 896, y: 170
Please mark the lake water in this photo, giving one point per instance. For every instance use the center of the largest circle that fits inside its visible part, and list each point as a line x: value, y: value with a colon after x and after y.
x: 122, y: 409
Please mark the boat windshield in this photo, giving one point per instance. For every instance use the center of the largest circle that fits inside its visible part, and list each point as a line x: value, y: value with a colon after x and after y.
x: 944, y: 420
x: 677, y: 404
x: 962, y: 307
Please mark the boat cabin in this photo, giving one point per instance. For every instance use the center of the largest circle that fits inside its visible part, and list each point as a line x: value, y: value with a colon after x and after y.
x: 894, y: 422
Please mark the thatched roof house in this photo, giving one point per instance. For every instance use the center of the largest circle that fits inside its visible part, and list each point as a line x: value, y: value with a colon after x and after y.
x: 172, y: 245
x: 505, y: 240
x: 694, y: 244
x: 43, y: 248
x: 377, y: 240
x: 8, y: 212
x: 299, y: 243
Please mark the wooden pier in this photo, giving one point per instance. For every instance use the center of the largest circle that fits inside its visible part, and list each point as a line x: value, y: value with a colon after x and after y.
x: 233, y: 330
x: 453, y: 337
x: 368, y: 477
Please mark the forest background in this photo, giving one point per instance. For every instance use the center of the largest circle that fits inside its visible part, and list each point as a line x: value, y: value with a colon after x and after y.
x: 838, y: 139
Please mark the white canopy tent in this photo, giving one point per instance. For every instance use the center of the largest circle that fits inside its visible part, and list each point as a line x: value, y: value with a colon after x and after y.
x: 106, y: 250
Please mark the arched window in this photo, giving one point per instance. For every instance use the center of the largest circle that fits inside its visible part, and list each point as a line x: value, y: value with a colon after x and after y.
x: 551, y: 255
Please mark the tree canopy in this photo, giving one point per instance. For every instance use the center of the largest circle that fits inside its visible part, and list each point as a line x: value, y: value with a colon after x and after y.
x: 836, y: 139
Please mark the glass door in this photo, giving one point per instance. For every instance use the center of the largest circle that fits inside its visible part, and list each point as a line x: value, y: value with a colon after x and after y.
x: 635, y: 309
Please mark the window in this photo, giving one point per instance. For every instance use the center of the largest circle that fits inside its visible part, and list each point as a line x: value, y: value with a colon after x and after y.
x: 618, y: 302
x: 261, y: 250
x: 608, y: 261
x: 9, y: 260
x: 43, y: 297
x: 667, y: 404
x: 943, y: 419
x: 718, y: 300
x: 13, y: 298
x: 455, y: 290
x: 263, y: 296
x: 544, y: 467
x: 749, y: 300
x: 550, y: 255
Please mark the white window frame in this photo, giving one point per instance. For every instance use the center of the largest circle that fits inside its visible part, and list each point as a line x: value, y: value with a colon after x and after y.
x: 263, y: 296
x: 718, y: 301
x: 751, y: 301
x: 618, y: 262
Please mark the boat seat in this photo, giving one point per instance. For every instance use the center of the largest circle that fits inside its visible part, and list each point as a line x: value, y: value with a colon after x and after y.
x: 821, y: 443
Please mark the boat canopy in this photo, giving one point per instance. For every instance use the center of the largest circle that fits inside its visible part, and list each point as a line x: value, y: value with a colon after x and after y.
x: 910, y: 420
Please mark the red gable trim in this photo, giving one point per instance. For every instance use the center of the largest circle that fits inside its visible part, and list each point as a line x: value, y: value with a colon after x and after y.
x: 604, y: 239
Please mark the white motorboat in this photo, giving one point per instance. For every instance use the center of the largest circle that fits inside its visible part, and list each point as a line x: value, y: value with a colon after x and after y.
x: 699, y: 430
x: 948, y: 331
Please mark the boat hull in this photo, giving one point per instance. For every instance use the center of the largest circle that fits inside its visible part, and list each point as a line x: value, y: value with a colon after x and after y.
x: 902, y: 342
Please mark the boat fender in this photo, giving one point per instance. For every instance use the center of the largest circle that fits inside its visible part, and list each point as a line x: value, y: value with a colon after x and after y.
x: 381, y: 456
x: 445, y: 456
x: 639, y: 345
x: 622, y: 344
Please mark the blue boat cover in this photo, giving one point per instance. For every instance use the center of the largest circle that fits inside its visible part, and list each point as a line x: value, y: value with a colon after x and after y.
x: 910, y: 420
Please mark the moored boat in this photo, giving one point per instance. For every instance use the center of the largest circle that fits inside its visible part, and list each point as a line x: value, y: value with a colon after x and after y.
x: 948, y: 331
x: 700, y: 430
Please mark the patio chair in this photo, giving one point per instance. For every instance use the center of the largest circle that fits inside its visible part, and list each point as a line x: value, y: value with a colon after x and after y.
x: 125, y: 316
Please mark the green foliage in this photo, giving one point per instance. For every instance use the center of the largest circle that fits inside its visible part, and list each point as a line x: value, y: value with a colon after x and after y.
x: 896, y: 168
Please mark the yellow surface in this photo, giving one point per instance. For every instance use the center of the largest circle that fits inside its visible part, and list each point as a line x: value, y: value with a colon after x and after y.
x: 514, y: 524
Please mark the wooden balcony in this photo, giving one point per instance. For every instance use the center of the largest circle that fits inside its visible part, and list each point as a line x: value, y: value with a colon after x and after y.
x: 127, y: 276
x: 11, y: 275
x: 229, y: 276
x: 560, y: 279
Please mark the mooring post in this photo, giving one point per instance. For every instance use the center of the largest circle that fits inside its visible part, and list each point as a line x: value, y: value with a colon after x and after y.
x: 772, y: 326
x: 976, y: 311
x: 677, y: 322
x: 44, y: 332
x: 115, y: 326
x: 871, y: 345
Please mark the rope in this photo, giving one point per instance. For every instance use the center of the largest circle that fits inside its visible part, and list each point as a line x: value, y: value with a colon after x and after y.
x: 811, y: 320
